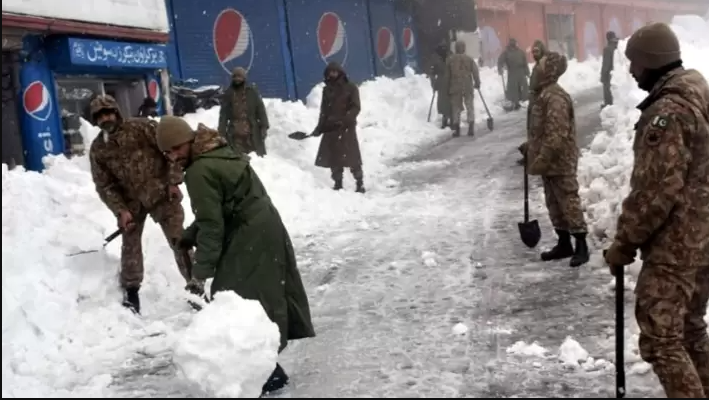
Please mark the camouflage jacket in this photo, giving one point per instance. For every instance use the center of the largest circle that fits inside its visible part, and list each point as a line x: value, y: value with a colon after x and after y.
x: 462, y: 72
x: 551, y: 135
x: 128, y: 169
x: 666, y: 213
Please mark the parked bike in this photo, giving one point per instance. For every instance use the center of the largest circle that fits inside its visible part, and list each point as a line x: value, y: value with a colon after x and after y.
x: 187, y: 97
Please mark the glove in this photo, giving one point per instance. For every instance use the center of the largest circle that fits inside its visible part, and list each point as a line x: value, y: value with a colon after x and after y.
x: 315, y: 133
x: 477, y: 85
x: 184, y: 243
x: 196, y: 287
x: 618, y: 256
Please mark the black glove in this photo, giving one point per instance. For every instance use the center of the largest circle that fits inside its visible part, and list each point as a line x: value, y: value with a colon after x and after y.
x: 316, y: 133
x: 184, y: 243
x: 196, y: 287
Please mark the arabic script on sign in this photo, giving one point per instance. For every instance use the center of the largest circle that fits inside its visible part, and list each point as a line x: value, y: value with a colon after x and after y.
x: 125, y: 54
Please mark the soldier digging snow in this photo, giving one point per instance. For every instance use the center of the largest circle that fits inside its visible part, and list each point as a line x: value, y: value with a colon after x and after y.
x: 514, y: 60
x: 439, y: 83
x: 553, y: 154
x: 538, y: 51
x: 242, y: 117
x: 666, y: 214
x: 463, y: 79
x: 134, y: 179
x: 239, y: 237
x: 339, y: 108
x: 607, y: 67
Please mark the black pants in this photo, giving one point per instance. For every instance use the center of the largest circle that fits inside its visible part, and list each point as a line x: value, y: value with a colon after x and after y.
x: 338, y: 172
x: 607, y: 93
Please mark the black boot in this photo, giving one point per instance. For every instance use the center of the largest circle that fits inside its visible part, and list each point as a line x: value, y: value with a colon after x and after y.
x: 520, y: 161
x: 444, y: 123
x: 360, y: 187
x: 131, y: 299
x: 581, y: 255
x: 563, y: 248
x: 277, y: 381
x: 338, y: 185
x: 456, y: 129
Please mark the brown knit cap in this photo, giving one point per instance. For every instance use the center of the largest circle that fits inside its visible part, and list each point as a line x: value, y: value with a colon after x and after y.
x: 653, y: 46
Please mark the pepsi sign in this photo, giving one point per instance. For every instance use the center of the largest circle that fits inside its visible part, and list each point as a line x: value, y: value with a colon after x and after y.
x: 332, y: 39
x: 386, y: 48
x: 408, y: 42
x: 152, y: 87
x: 233, y: 40
x: 37, y: 101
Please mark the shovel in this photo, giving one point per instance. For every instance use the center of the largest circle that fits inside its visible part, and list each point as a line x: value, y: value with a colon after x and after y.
x: 619, y: 332
x: 298, y: 135
x: 187, y: 260
x: 430, y: 108
x: 490, y: 121
x: 529, y: 231
x: 106, y: 241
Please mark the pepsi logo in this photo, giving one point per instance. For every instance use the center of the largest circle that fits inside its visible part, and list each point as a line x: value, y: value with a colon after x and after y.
x: 409, y: 41
x: 153, y: 89
x: 386, y: 47
x: 332, y: 38
x: 233, y: 40
x: 37, y: 101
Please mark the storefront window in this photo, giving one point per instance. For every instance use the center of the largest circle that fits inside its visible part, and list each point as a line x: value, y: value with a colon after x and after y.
x: 75, y: 95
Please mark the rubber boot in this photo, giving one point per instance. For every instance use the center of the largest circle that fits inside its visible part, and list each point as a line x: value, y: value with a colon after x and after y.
x: 360, y: 187
x: 456, y: 129
x: 563, y: 248
x: 277, y: 381
x: 471, y: 129
x: 444, y: 123
x: 338, y: 185
x: 131, y: 299
x: 581, y: 255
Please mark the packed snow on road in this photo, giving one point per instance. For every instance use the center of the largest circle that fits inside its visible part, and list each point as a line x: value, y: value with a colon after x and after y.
x: 65, y: 333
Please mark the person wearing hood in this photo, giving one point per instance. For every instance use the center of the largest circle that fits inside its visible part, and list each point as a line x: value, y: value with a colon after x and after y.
x: 243, y: 121
x: 135, y: 180
x: 149, y: 108
x: 463, y: 78
x: 439, y: 83
x: 665, y: 215
x: 339, y: 147
x: 607, y: 67
x: 514, y: 60
x: 238, y: 234
x: 538, y: 51
x: 553, y: 154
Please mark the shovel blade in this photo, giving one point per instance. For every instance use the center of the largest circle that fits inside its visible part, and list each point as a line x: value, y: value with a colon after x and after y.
x: 298, y: 135
x: 490, y: 124
x: 530, y: 233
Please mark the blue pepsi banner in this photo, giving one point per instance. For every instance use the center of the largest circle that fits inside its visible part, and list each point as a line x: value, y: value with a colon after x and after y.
x: 88, y: 52
x: 382, y: 19
x: 40, y: 118
x: 408, y: 46
x: 154, y: 90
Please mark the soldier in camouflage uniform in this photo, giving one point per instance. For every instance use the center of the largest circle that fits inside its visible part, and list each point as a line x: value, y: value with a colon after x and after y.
x: 666, y: 214
x: 439, y: 83
x: 463, y: 78
x: 538, y: 51
x: 134, y: 179
x: 514, y: 60
x: 607, y: 67
x: 243, y: 121
x: 553, y: 154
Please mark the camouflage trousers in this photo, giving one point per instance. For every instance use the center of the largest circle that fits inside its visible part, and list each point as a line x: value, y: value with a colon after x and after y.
x: 670, y: 309
x: 561, y: 194
x: 458, y: 101
x: 170, y: 216
x: 242, y: 144
x: 337, y: 173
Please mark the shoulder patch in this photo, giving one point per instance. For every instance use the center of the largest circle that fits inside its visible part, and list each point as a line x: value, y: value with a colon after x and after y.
x: 659, y: 121
x: 653, y: 137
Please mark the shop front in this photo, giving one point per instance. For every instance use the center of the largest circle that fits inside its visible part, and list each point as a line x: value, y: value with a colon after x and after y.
x: 12, y: 152
x: 60, y: 75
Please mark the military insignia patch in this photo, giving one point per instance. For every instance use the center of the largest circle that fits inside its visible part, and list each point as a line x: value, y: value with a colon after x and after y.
x: 659, y: 121
x: 652, y: 137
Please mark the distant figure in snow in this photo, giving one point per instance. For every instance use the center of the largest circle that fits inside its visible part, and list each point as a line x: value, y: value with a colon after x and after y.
x: 607, y: 67
x: 463, y: 79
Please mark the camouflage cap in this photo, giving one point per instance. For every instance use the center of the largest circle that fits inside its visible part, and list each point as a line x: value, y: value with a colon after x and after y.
x: 653, y: 46
x: 103, y: 103
x: 173, y: 131
x: 239, y: 72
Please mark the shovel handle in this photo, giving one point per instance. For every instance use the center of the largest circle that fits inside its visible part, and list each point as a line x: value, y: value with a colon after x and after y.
x: 487, y: 110
x: 619, y: 333
x: 526, y: 191
x: 112, y: 236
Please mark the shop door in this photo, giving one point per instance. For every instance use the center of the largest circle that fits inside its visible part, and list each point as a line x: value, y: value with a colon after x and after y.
x: 12, y: 151
x: 562, y: 34
x: 128, y: 94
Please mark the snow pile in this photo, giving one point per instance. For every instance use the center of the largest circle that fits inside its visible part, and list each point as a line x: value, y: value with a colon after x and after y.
x: 604, y: 169
x: 529, y: 350
x: 230, y: 348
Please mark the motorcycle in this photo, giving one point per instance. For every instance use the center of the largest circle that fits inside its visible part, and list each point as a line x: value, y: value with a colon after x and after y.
x: 187, y: 97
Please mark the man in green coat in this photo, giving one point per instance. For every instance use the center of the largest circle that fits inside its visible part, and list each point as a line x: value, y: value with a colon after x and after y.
x: 242, y: 117
x: 514, y: 60
x: 239, y: 236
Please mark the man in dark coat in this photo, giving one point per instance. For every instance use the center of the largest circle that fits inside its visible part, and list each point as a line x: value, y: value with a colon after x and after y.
x: 607, y: 67
x: 339, y: 147
x: 239, y: 236
x: 514, y: 60
x: 149, y: 108
x: 439, y: 83
x: 242, y: 118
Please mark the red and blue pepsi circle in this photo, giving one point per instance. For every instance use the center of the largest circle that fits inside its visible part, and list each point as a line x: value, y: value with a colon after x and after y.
x: 37, y: 101
x: 408, y: 40
x: 386, y: 47
x: 332, y: 39
x: 233, y: 40
x: 154, y: 89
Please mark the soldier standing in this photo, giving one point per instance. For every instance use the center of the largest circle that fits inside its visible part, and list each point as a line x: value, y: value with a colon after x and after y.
x: 339, y: 108
x: 552, y: 153
x: 463, y: 78
x: 242, y: 117
x: 607, y: 67
x: 134, y: 179
x: 514, y: 60
x: 666, y: 213
x: 439, y: 83
x: 538, y: 51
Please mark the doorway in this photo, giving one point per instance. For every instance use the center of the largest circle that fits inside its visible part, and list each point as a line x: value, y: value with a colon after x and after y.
x: 128, y: 93
x: 12, y: 149
x: 561, y: 34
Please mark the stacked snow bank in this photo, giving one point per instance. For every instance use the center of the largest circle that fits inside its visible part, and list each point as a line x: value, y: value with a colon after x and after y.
x: 604, y: 169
